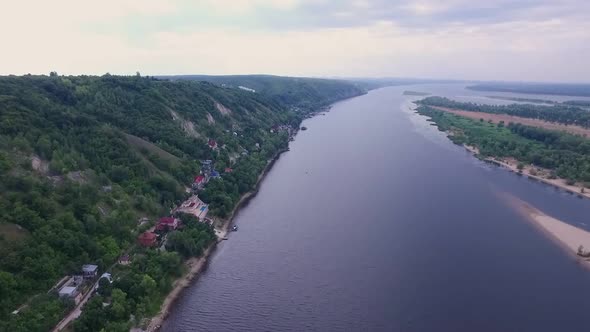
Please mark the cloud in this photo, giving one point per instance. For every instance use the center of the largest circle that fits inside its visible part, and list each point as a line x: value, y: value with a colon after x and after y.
x: 519, y: 40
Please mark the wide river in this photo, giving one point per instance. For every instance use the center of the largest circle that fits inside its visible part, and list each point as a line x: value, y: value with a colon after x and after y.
x: 375, y: 221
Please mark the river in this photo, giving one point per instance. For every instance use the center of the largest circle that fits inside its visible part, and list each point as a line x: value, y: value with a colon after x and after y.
x: 375, y: 221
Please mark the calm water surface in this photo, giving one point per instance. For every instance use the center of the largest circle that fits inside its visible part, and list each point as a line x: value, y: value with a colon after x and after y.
x: 374, y: 221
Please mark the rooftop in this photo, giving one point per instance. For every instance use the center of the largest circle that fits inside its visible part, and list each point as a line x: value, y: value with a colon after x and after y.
x: 167, y: 220
x: 89, y: 268
x: 67, y: 290
x: 148, y: 235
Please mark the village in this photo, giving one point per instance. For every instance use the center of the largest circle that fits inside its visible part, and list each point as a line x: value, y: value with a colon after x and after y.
x: 77, y: 289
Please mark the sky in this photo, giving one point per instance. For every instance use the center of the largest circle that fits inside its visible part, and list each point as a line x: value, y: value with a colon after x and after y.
x: 516, y: 40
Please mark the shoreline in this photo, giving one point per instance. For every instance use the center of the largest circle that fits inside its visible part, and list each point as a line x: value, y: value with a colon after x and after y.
x: 512, y: 166
x: 245, y: 199
x: 197, y: 264
x: 566, y: 236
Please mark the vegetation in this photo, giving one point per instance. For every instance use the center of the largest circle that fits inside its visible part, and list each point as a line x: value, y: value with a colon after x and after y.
x: 82, y: 158
x: 581, y: 103
x: 304, y: 94
x: 524, y: 100
x: 568, y: 155
x: 536, y: 88
x: 140, y: 288
x: 561, y: 113
x: 415, y: 93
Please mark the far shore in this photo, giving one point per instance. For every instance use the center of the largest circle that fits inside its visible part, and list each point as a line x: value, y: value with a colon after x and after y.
x: 496, y: 118
x: 536, y: 173
x: 568, y: 237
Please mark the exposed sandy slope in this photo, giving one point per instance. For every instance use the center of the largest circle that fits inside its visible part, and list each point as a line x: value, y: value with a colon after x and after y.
x: 222, y: 109
x: 495, y: 118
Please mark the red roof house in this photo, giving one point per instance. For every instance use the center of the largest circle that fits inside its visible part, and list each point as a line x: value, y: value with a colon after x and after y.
x: 167, y: 223
x: 212, y: 144
x: 147, y: 239
x: 199, y: 179
x: 228, y: 170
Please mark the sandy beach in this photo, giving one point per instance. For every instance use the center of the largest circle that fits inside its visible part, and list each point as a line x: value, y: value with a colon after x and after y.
x: 569, y: 237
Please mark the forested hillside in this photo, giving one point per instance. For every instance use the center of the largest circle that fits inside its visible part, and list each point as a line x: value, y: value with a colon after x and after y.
x: 305, y: 94
x: 82, y: 158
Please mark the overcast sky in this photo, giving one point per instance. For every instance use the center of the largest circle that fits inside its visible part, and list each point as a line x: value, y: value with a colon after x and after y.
x: 541, y: 40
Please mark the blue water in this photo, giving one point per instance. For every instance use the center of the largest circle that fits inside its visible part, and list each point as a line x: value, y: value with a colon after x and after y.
x: 374, y: 221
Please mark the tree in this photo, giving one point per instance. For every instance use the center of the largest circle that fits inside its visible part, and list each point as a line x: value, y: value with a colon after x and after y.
x: 94, y: 317
x: 119, y: 308
x: 104, y: 287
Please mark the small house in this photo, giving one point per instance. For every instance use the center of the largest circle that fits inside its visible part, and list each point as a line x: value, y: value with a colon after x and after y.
x: 228, y: 170
x: 215, y: 175
x: 147, y: 239
x: 107, y: 276
x: 125, y: 260
x: 194, y: 206
x: 68, y: 292
x: 167, y: 224
x: 212, y: 144
x: 200, y: 180
x: 206, y: 167
x: 89, y: 271
x: 143, y: 220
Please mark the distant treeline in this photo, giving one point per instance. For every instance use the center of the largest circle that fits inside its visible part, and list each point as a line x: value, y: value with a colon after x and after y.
x: 536, y: 88
x: 567, y: 114
x: 583, y: 103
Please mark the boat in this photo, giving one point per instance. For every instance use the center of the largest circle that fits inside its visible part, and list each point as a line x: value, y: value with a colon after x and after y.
x: 234, y: 228
x: 303, y: 128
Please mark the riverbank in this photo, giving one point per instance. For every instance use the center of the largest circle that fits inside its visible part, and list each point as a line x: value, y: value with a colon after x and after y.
x: 227, y: 222
x: 196, y: 265
x: 568, y: 237
x: 535, y: 173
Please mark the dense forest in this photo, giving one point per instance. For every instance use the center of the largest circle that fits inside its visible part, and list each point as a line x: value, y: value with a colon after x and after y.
x: 83, y: 158
x: 304, y: 94
x: 562, y: 113
x: 567, y: 155
x: 565, y: 89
